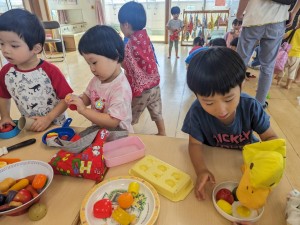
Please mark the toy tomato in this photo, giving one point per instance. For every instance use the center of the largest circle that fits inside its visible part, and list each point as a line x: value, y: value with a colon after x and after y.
x: 102, y: 208
x: 125, y: 200
x: 226, y: 195
x: 6, y: 128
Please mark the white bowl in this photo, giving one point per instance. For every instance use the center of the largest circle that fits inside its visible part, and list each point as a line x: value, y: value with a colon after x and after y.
x: 230, y: 185
x: 23, y: 169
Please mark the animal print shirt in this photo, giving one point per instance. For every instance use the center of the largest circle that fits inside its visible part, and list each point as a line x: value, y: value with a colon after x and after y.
x: 36, y: 92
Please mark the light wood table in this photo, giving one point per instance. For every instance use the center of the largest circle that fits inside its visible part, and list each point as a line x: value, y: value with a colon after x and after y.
x: 65, y: 194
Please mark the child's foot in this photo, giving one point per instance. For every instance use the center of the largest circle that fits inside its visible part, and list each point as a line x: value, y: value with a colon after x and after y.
x: 159, y: 134
x: 169, y: 57
x: 287, y: 87
x: 177, y: 57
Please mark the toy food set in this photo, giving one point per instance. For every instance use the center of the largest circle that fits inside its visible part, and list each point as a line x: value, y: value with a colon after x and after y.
x: 121, y: 200
x: 54, y: 136
x: 123, y: 150
x: 264, y: 164
x: 5, y: 150
x: 22, y: 184
x: 66, y: 138
x: 87, y: 164
x: 228, y: 205
x: 293, y: 208
x: 169, y: 181
x: 9, y: 131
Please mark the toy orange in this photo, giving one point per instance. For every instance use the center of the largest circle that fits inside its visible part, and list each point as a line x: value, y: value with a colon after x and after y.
x: 125, y: 200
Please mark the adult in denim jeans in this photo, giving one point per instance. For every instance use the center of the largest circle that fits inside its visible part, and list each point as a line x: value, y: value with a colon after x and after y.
x: 264, y: 20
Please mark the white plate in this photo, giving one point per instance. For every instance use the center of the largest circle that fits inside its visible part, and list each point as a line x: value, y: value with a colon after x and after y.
x: 146, y: 211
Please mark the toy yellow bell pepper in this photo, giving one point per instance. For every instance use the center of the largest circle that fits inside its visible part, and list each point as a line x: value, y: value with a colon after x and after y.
x: 122, y: 217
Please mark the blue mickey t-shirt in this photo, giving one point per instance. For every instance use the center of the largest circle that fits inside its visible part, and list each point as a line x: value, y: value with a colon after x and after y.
x: 250, y: 116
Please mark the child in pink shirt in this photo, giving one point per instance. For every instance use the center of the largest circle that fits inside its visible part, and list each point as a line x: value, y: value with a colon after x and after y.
x: 108, y: 93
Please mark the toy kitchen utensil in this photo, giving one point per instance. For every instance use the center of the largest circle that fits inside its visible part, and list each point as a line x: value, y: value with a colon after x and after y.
x: 5, y: 150
x: 65, y: 131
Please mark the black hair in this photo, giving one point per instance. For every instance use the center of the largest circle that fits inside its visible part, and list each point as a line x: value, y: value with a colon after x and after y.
x: 175, y: 10
x: 218, y: 42
x: 198, y: 41
x: 134, y: 14
x: 215, y: 70
x: 236, y: 22
x: 102, y: 40
x: 234, y: 42
x: 25, y: 24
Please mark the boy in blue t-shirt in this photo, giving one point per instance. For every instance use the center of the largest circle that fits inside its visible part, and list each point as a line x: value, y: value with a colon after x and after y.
x: 221, y: 116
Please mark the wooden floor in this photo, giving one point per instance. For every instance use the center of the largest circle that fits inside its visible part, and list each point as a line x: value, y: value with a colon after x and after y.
x: 177, y: 98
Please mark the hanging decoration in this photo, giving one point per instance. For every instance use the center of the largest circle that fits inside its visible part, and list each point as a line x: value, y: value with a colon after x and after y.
x: 202, y: 23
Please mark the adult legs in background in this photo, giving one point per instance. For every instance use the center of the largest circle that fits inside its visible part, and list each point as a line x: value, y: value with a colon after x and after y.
x: 270, y: 36
x: 170, y: 47
x: 269, y: 45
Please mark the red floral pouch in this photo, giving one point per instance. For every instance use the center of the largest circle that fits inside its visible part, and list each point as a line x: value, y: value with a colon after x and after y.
x: 88, y: 164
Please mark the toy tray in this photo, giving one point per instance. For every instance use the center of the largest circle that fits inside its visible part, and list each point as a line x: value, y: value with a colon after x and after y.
x: 10, y: 134
x: 123, y: 150
x: 169, y: 181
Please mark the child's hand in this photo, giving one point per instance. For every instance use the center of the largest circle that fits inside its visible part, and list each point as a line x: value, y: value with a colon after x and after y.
x: 202, y: 178
x: 76, y: 100
x: 41, y: 123
x: 6, y: 120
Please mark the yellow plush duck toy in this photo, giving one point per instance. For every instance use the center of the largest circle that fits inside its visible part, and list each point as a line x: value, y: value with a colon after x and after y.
x: 264, y: 164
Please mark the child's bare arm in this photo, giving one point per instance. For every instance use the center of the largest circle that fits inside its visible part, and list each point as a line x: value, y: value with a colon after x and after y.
x: 5, y: 112
x: 101, y: 119
x: 269, y: 134
x: 43, y: 122
x: 203, y: 174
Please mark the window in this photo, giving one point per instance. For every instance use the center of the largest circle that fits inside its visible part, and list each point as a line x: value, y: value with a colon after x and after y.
x: 155, y: 11
x: 6, y: 5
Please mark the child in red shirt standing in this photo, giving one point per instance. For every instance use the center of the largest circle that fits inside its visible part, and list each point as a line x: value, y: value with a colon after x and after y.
x: 140, y: 66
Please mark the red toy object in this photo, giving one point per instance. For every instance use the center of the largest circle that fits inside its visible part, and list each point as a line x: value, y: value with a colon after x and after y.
x: 102, y: 209
x: 68, y: 99
x: 23, y: 196
x: 6, y: 128
x: 64, y: 137
x: 174, y: 36
x: 87, y: 164
x: 73, y: 107
x: 226, y: 195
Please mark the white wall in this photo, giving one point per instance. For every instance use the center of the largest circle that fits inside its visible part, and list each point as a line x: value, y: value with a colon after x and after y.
x: 87, y: 8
